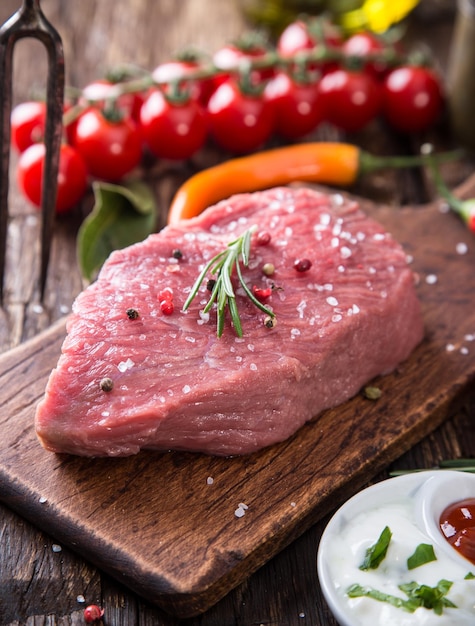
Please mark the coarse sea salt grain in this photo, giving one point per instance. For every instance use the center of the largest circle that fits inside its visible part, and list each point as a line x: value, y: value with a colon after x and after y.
x: 332, y: 301
x: 450, y: 347
x: 125, y: 365
x: 345, y: 252
x: 56, y: 548
x: 301, y: 308
x: 241, y: 510
x: 43, y: 499
x: 431, y: 279
x: 209, y: 480
x: 464, y: 350
x: 186, y: 389
x: 80, y: 598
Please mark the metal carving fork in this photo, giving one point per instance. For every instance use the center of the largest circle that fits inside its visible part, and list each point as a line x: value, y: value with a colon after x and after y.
x: 29, y: 21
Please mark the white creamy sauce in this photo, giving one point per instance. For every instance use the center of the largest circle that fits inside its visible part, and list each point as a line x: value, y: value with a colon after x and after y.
x: 347, y: 552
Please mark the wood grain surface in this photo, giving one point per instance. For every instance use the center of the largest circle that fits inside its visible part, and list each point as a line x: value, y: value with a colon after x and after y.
x: 45, y: 583
x: 154, y: 522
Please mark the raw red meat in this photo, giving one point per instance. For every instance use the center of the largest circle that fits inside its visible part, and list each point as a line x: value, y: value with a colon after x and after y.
x: 351, y: 316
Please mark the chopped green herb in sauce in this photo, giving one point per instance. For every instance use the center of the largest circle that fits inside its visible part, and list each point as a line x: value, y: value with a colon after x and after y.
x: 377, y: 552
x: 424, y: 553
x: 432, y: 598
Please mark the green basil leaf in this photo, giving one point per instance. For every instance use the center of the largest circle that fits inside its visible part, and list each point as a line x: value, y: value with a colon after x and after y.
x: 430, y: 597
x: 377, y: 552
x: 424, y: 553
x: 469, y: 576
x: 122, y: 215
x: 357, y: 591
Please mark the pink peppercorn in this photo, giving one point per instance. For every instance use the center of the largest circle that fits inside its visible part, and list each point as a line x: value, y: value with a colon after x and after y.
x: 165, y: 294
x: 302, y: 265
x: 167, y: 307
x: 263, y: 238
x: 260, y: 293
x: 93, y: 613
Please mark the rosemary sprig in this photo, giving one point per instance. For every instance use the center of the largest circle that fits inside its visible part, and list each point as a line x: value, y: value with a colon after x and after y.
x: 222, y: 293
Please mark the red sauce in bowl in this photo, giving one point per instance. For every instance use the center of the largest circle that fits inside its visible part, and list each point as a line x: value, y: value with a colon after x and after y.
x: 457, y: 524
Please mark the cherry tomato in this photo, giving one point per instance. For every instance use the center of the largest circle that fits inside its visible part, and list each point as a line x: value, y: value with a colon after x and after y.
x: 351, y: 99
x: 413, y: 98
x: 110, y: 149
x: 239, y: 122
x: 295, y: 38
x: 363, y: 44
x: 172, y: 130
x: 174, y: 70
x: 298, y: 107
x: 99, y: 91
x: 230, y: 56
x: 300, y: 36
x: 28, y: 121
x: 72, y: 176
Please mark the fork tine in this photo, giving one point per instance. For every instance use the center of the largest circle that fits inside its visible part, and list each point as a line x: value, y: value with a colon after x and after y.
x: 29, y: 21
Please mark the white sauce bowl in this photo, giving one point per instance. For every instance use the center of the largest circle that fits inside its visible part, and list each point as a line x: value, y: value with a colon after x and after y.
x: 424, y: 495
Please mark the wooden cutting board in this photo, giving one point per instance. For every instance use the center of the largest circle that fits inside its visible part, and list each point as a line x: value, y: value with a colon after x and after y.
x: 165, y: 524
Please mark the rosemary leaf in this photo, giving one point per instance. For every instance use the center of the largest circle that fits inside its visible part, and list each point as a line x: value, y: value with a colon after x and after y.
x: 251, y: 296
x: 235, y: 316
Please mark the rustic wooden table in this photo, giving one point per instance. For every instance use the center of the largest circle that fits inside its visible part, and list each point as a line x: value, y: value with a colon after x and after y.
x: 40, y: 583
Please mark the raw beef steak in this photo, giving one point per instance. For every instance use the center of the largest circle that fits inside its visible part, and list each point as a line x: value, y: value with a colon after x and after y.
x: 143, y: 379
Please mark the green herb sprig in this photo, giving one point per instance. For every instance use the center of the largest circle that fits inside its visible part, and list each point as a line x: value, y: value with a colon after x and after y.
x: 222, y: 265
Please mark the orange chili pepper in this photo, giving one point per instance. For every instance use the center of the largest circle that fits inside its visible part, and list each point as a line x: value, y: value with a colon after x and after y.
x: 322, y: 162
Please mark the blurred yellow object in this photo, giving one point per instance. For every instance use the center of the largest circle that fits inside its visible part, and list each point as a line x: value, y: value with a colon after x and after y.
x: 377, y: 15
x: 351, y: 15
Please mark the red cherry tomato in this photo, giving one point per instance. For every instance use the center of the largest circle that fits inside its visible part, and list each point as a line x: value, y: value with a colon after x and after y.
x: 363, y: 44
x: 299, y: 36
x: 99, y: 91
x: 239, y: 122
x: 298, y: 107
x: 72, y: 176
x: 28, y: 121
x: 230, y: 56
x: 110, y: 149
x: 180, y: 70
x: 351, y: 99
x: 294, y: 38
x: 413, y: 98
x: 172, y: 130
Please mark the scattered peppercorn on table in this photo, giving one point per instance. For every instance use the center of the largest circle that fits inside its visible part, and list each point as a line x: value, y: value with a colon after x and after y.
x: 45, y: 579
